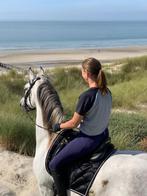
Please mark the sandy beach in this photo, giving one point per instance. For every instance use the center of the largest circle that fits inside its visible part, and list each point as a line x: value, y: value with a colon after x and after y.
x: 51, y: 58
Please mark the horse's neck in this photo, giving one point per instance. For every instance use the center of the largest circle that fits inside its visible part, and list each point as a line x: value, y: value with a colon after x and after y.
x: 44, y: 139
x: 42, y: 135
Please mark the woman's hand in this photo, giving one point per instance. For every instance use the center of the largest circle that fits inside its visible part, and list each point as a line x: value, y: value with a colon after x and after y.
x: 56, y: 127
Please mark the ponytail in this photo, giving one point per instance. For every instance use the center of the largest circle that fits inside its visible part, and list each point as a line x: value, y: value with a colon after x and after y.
x: 93, y: 66
x: 102, y: 82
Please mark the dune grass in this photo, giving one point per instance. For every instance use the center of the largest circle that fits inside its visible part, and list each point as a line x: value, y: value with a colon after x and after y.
x: 128, y: 86
x: 16, y: 131
x: 135, y: 64
x: 128, y: 130
x: 129, y: 94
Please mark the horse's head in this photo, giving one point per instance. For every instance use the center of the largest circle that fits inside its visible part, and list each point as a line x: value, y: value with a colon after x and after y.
x: 40, y: 92
x: 28, y: 101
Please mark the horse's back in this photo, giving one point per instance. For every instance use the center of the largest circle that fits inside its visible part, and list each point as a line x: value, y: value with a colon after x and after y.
x: 123, y: 174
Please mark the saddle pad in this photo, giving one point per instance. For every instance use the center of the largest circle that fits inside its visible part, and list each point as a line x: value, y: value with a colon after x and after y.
x: 83, y: 173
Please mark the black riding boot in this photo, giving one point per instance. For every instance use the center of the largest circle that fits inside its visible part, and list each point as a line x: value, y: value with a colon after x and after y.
x: 60, y: 183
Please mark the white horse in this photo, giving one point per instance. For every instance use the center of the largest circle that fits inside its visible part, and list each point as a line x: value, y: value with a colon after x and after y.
x: 123, y: 174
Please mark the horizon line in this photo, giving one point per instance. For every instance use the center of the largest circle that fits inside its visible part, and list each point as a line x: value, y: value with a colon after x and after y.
x: 45, y: 20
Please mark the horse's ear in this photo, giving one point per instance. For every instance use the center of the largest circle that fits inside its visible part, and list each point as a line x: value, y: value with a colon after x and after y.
x: 41, y: 71
x: 31, y: 74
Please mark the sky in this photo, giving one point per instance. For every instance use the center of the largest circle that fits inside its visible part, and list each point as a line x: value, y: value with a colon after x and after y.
x: 99, y: 10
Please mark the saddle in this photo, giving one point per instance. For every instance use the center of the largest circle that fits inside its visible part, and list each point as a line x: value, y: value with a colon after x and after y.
x: 81, y: 174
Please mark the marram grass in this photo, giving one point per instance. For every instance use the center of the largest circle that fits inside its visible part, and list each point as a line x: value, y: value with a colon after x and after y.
x: 127, y: 130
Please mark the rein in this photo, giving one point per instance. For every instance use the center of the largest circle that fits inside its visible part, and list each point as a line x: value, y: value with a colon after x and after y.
x: 36, y: 123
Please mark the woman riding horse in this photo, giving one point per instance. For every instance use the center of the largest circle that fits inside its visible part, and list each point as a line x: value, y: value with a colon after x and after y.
x: 92, y: 115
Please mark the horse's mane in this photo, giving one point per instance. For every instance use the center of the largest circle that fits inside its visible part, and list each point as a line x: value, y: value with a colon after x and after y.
x: 49, y: 100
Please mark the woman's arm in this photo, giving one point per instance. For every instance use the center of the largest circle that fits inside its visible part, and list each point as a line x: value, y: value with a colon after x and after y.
x: 73, y: 122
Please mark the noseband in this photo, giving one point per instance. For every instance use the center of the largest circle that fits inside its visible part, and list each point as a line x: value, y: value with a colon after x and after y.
x: 27, y: 95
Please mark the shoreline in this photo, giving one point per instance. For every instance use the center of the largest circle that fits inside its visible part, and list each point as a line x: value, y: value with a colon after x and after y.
x: 66, y: 57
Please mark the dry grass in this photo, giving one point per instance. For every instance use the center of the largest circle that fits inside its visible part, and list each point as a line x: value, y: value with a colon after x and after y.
x: 143, y: 144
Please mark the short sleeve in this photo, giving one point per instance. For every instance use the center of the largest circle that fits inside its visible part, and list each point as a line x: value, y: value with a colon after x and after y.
x: 84, y: 104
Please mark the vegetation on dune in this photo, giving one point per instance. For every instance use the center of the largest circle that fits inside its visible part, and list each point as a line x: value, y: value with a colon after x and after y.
x: 16, y: 130
x: 128, y: 130
x: 135, y: 64
x: 17, y: 133
x: 128, y: 86
x: 130, y: 94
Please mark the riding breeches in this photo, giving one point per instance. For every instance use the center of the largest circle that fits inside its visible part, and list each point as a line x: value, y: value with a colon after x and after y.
x: 78, y: 148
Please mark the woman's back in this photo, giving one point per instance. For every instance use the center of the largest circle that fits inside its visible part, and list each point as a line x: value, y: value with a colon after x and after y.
x: 96, y: 119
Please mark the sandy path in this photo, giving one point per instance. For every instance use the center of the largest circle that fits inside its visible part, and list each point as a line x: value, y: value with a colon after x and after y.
x: 16, y: 175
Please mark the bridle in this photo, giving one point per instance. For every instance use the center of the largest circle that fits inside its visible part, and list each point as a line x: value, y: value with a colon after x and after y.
x: 30, y: 107
x: 28, y: 96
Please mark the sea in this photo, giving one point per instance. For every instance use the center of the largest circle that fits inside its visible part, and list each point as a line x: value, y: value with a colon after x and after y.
x: 29, y: 35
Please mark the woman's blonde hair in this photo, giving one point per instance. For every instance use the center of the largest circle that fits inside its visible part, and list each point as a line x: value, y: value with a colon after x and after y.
x: 93, y: 66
